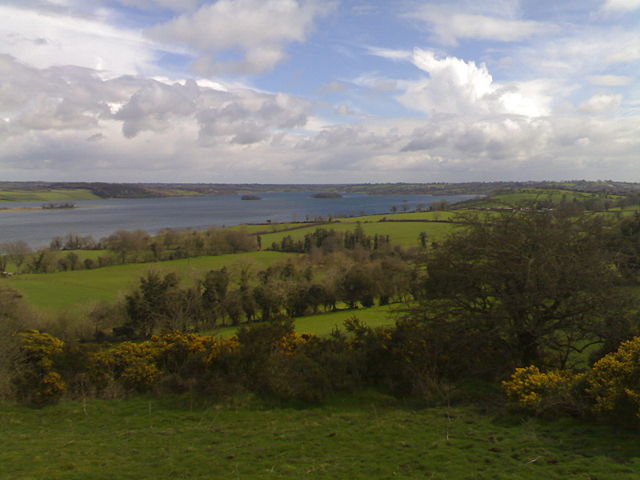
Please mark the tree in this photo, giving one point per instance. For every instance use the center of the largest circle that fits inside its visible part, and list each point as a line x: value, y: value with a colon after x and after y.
x: 125, y: 243
x: 213, y: 290
x: 17, y: 252
x: 150, y: 305
x: 541, y: 284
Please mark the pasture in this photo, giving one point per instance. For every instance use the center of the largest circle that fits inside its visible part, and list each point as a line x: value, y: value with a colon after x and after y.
x: 82, y: 288
x: 403, y: 233
x: 325, y: 323
x: 362, y: 435
x: 54, y: 195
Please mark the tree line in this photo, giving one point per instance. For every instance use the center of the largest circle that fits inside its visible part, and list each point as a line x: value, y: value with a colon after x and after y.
x: 123, y: 247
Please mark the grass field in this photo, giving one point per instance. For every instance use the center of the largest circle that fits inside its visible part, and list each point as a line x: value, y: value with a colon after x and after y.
x: 325, y: 323
x: 404, y: 233
x: 269, y: 227
x: 359, y: 436
x: 514, y: 197
x: 46, y: 195
x: 82, y: 288
x: 439, y: 215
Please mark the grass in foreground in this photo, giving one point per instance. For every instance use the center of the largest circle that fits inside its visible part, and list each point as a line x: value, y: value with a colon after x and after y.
x: 360, y: 436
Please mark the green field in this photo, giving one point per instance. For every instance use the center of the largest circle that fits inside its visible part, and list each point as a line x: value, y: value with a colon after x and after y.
x: 325, y: 323
x: 81, y: 288
x: 438, y: 215
x: 58, y: 195
x: 527, y: 195
x: 268, y: 227
x: 404, y: 233
x: 359, y: 436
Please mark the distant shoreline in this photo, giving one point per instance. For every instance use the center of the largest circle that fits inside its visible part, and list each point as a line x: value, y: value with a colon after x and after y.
x: 28, y: 209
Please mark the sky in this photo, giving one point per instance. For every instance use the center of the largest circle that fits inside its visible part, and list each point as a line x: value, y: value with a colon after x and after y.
x: 319, y: 91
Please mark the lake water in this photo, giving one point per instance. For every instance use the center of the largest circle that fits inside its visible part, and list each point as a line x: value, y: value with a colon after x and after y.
x: 38, y: 227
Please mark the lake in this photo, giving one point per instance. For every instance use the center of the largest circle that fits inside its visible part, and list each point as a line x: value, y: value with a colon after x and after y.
x: 100, y: 218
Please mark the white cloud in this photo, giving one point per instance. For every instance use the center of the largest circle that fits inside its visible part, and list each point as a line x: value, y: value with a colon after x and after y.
x: 448, y: 26
x: 464, y: 88
x: 259, y: 29
x: 73, y: 98
x: 376, y: 84
x: 390, y: 54
x: 333, y: 87
x: 621, y: 5
x: 46, y: 39
x: 176, y: 5
x: 584, y: 52
x: 610, y: 80
x: 601, y: 103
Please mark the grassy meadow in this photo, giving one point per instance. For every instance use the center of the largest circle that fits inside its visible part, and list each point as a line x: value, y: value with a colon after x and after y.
x: 55, y: 195
x: 403, y: 233
x: 359, y: 436
x: 82, y: 288
x: 325, y: 323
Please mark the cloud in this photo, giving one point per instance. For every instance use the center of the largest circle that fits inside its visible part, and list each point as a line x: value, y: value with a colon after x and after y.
x: 390, y: 54
x: 448, y: 27
x: 586, y: 51
x: 96, y: 137
x: 333, y: 87
x: 621, y: 5
x: 43, y: 39
x: 464, y: 88
x: 601, y: 103
x: 610, y: 80
x: 73, y: 98
x: 256, y: 30
x: 175, y: 5
x: 376, y: 84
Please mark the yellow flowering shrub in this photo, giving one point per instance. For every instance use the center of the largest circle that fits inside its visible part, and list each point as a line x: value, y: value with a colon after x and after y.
x: 614, y: 381
x: 178, y: 352
x: 291, y: 342
x: 546, y: 393
x: 130, y: 364
x: 36, y: 381
x: 219, y: 348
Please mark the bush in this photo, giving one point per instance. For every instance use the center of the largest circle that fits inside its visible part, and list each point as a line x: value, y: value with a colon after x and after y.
x: 614, y: 383
x: 130, y: 365
x: 37, y: 383
x: 545, y: 393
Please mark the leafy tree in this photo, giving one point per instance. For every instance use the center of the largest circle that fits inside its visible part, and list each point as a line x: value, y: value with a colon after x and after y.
x: 17, y: 252
x: 213, y: 291
x: 542, y: 284
x: 150, y: 305
x: 127, y: 243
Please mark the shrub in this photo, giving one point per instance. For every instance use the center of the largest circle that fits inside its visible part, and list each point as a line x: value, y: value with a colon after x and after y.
x: 37, y: 383
x: 131, y: 365
x: 614, y: 382
x: 545, y: 393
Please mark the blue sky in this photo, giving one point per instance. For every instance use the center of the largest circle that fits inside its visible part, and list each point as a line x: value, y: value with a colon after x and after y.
x: 311, y: 91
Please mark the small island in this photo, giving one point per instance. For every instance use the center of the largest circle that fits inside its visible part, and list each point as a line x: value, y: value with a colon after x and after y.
x: 57, y: 206
x: 326, y: 195
x: 250, y: 197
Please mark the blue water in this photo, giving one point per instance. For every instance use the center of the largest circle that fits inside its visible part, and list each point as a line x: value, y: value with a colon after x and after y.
x: 38, y: 227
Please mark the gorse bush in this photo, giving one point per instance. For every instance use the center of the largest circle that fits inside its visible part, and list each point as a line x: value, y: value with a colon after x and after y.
x: 614, y: 382
x: 551, y: 393
x: 611, y: 388
x: 37, y: 382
